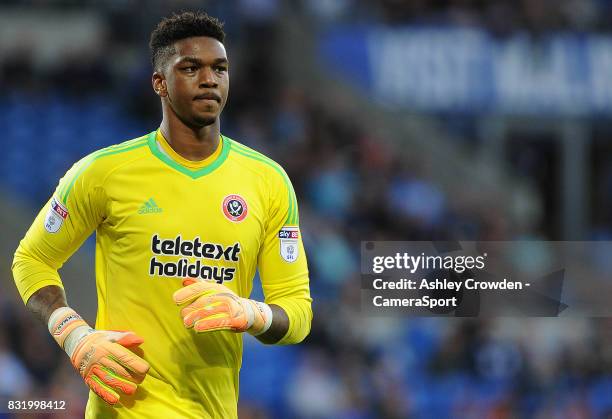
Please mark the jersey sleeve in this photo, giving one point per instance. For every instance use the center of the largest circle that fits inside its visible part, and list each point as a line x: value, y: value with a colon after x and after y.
x: 76, y: 208
x: 282, y: 262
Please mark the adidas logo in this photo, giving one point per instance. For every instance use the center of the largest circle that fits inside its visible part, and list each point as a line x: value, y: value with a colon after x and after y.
x: 149, y: 207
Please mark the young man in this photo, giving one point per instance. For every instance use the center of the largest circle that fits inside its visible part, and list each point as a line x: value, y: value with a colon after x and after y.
x: 182, y: 201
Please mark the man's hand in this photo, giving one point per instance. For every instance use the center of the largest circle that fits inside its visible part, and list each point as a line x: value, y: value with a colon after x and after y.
x: 101, y: 357
x: 215, y: 307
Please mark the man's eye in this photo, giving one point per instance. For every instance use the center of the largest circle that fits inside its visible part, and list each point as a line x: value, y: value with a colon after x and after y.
x: 189, y: 69
x: 221, y: 69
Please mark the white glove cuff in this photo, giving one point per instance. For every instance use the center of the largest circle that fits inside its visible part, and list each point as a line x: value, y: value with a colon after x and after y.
x: 267, y: 314
x: 249, y: 313
x: 73, y: 339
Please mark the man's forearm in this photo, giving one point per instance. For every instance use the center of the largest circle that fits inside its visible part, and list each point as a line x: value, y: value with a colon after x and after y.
x: 279, y: 327
x: 46, y: 300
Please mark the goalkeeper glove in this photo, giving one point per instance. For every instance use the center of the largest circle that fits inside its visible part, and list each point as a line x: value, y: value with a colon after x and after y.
x: 216, y: 307
x: 100, y: 356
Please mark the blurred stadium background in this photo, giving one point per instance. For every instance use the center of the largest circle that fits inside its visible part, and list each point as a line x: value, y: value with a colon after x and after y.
x: 396, y: 120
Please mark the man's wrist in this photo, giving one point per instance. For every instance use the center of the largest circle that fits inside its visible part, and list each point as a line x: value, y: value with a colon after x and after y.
x: 279, y: 327
x: 45, y: 301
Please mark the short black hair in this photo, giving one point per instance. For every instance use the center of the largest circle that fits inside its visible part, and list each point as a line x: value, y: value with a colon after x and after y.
x: 181, y: 26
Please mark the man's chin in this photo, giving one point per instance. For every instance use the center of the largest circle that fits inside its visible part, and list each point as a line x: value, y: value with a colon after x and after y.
x: 204, y: 121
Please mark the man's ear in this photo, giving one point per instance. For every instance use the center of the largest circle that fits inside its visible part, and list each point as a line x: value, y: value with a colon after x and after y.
x: 159, y: 84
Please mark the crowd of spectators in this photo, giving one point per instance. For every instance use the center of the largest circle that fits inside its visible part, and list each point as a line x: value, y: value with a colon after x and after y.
x: 351, y: 185
x: 501, y: 17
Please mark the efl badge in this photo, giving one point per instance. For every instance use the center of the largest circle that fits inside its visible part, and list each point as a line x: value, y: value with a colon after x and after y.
x: 55, y: 216
x: 289, y: 243
x: 235, y: 208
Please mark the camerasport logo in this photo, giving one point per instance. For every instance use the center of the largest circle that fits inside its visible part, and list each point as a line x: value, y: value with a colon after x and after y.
x: 234, y: 208
x: 55, y: 216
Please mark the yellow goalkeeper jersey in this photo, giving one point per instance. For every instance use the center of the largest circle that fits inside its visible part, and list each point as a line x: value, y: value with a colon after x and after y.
x: 159, y: 218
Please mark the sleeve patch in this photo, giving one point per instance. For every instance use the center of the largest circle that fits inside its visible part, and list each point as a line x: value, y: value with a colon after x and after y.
x: 289, y: 243
x: 55, y: 216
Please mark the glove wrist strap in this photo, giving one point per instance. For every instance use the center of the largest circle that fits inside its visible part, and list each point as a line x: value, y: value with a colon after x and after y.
x: 262, y: 318
x: 67, y: 328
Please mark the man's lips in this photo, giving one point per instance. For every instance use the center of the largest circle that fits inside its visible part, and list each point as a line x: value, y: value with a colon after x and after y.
x: 208, y: 96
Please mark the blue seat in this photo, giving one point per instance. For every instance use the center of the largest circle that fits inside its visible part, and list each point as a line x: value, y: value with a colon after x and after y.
x: 264, y: 372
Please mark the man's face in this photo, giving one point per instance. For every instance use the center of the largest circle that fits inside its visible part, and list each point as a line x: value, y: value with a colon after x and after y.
x: 196, y: 80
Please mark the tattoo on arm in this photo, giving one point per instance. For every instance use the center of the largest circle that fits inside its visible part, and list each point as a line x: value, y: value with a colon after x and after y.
x: 279, y: 327
x: 46, y: 300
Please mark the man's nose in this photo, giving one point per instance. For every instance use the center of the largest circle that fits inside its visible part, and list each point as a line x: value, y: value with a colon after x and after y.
x: 208, y: 78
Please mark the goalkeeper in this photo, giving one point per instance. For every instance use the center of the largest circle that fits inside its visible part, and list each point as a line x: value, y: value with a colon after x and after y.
x: 183, y: 201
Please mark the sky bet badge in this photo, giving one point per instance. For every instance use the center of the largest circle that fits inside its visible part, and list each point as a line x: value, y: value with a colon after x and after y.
x: 55, y: 216
x: 288, y: 237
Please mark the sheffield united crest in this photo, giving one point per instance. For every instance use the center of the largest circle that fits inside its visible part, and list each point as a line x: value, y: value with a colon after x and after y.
x: 235, y: 208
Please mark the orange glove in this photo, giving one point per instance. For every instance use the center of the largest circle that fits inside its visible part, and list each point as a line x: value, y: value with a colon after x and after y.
x: 216, y: 307
x: 100, y: 356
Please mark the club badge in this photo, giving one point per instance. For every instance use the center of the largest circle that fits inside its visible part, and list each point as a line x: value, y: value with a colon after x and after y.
x: 234, y: 208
